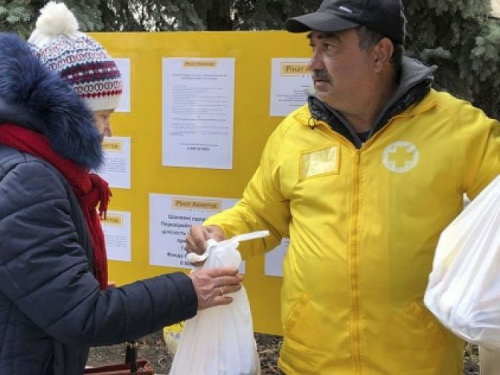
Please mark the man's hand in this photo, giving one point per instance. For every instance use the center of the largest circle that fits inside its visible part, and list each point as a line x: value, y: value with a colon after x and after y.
x: 196, y: 240
x: 212, y: 286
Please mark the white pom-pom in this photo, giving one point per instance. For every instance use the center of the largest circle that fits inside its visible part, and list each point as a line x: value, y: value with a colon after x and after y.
x: 56, y: 19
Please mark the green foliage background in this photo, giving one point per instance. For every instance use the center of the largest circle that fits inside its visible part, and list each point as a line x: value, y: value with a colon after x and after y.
x: 458, y: 36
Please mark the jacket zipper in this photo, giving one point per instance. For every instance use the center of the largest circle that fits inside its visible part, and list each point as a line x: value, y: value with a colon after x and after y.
x: 354, y: 266
x: 353, y: 248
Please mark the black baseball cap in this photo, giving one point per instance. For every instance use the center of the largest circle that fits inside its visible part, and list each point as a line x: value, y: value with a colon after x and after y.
x: 383, y: 16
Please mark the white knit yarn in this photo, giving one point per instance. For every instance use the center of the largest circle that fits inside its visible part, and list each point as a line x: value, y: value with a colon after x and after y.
x: 55, y: 20
x: 78, y: 58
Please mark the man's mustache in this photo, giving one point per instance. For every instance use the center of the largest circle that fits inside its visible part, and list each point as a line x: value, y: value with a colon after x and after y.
x: 321, y: 75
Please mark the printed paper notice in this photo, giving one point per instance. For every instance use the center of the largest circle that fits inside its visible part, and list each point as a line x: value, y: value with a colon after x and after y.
x: 170, y: 219
x: 291, y: 84
x: 274, y: 259
x: 116, y: 167
x: 198, y: 106
x: 116, y: 228
x: 124, y: 68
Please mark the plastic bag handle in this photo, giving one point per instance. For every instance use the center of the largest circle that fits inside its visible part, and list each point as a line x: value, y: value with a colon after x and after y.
x: 211, y: 243
x: 244, y: 237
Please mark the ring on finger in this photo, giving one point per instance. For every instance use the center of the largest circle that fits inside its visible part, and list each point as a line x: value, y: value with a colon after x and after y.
x: 221, y: 290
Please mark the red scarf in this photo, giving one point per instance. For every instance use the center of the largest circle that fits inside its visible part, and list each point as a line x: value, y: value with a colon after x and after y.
x: 89, y: 188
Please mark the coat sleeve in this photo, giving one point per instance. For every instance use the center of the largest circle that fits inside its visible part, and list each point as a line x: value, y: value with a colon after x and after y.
x: 263, y: 206
x: 482, y: 148
x: 44, y: 270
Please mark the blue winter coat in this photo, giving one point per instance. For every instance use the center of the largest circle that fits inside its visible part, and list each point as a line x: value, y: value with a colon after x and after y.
x: 51, y: 307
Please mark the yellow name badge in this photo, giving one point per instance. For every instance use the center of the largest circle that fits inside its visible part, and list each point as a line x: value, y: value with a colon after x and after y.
x: 319, y: 162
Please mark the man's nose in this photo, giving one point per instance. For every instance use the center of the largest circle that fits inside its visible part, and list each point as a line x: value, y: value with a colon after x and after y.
x: 316, y: 63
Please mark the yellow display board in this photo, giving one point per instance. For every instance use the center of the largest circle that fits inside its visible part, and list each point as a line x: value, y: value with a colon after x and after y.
x: 252, y: 52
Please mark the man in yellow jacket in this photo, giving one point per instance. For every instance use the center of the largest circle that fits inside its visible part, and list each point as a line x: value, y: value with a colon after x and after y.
x: 362, y: 179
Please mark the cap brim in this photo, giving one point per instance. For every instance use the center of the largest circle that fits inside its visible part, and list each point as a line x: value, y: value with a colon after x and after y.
x: 320, y: 21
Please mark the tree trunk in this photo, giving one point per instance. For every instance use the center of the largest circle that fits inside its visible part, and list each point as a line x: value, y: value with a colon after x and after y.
x: 219, y: 16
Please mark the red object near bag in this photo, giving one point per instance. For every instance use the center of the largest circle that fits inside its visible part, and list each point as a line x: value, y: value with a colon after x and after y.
x: 132, y: 365
x: 143, y: 368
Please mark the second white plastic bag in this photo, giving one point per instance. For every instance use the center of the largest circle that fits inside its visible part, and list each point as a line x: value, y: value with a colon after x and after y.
x: 220, y: 340
x: 464, y: 286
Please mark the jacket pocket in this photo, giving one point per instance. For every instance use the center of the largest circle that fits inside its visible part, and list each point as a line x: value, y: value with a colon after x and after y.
x: 427, y: 321
x: 302, y: 325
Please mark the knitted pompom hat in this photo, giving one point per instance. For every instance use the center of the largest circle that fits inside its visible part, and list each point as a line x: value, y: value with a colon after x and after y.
x: 80, y: 60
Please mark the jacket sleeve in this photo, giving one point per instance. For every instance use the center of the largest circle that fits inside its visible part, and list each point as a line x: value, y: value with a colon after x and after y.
x: 44, y: 270
x: 263, y: 206
x: 482, y: 149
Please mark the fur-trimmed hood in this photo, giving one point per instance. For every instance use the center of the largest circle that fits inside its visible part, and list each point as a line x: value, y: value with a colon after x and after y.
x: 36, y: 98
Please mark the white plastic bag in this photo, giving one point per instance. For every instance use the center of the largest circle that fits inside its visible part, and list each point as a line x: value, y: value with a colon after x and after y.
x: 220, y: 340
x: 464, y: 286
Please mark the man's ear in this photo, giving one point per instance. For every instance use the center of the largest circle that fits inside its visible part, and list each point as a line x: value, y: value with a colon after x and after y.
x: 382, y: 53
